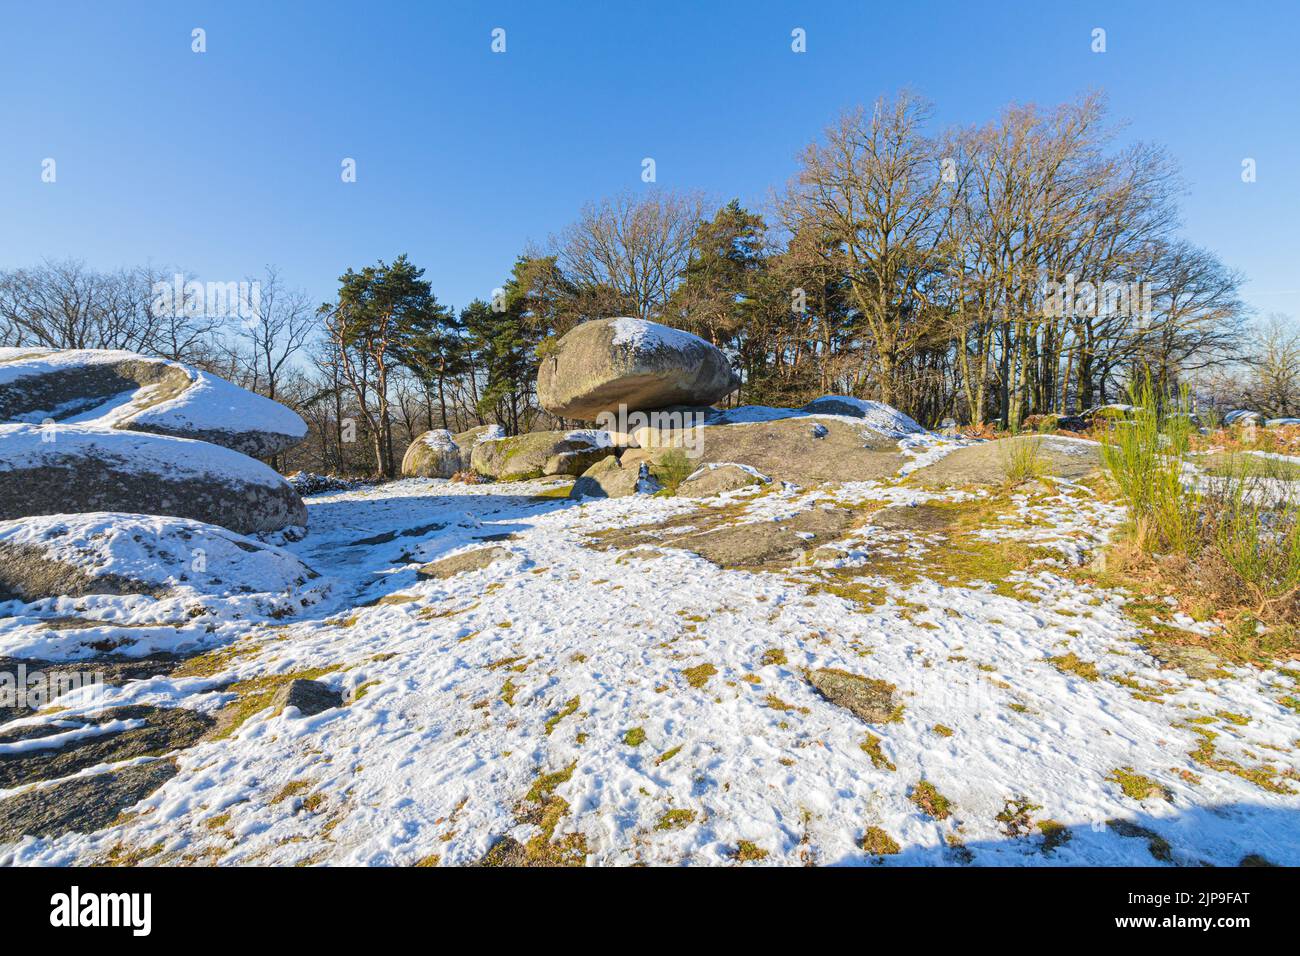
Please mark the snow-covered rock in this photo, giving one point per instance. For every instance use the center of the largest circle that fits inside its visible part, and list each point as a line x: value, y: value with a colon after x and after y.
x: 124, y: 390
x: 433, y: 454
x: 72, y: 555
x: 58, y: 469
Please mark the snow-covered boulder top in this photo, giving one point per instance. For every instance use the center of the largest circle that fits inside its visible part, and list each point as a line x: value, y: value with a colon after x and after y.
x: 126, y: 391
x: 57, y: 469
x: 113, y: 553
x: 601, y: 365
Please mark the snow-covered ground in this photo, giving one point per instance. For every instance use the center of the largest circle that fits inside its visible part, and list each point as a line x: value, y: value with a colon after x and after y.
x: 644, y: 705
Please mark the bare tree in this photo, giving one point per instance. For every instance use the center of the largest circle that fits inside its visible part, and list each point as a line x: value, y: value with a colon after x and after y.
x: 635, y: 246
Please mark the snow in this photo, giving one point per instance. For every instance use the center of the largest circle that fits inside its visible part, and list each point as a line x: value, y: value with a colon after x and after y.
x: 209, y: 404
x: 433, y: 760
x: 878, y: 416
x: 213, y: 578
x: 38, y: 446
x: 642, y: 334
x: 439, y: 439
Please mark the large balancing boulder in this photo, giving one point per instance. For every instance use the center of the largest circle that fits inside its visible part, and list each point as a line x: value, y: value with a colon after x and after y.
x: 61, y: 469
x: 126, y: 391
x: 607, y: 363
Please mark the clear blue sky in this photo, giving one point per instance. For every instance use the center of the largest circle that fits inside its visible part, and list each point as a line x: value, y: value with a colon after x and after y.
x: 225, y: 161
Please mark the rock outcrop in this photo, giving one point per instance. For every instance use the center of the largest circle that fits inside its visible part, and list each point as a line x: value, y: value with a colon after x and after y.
x: 72, y: 555
x: 601, y: 365
x: 126, y: 391
x: 92, y: 430
x: 62, y: 469
x: 537, y: 454
x: 994, y: 462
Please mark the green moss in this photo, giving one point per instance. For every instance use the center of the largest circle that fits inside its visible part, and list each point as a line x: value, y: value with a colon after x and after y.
x: 699, y: 676
x: 1072, y: 664
x: 634, y: 737
x: 666, y: 756
x: 570, y: 707
x: 508, y: 692
x: 774, y: 656
x: 747, y: 852
x: 1137, y: 787
x: 1054, y: 834
x: 1157, y: 845
x: 675, y: 820
x: 930, y: 801
x: 291, y: 789
x: 879, y: 843
x: 546, y: 783
x: 871, y: 747
x: 1241, y: 720
x: 363, y: 689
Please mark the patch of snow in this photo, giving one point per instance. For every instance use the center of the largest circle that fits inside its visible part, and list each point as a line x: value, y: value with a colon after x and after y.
x: 37, y: 446
x: 642, y: 334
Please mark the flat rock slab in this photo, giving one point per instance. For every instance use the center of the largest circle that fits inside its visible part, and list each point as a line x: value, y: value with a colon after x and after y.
x: 165, y: 729
x: 866, y: 698
x: 475, y: 560
x: 990, y: 463
x: 804, y: 450
x: 754, y: 545
x: 309, y: 696
x: 602, y: 365
x: 80, y: 805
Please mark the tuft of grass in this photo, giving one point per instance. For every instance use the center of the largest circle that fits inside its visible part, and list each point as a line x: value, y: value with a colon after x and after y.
x: 1136, y: 786
x: 871, y: 747
x: 699, y: 676
x: 930, y: 801
x: 675, y: 820
x: 943, y: 730
x: 634, y: 737
x: 1071, y: 663
x: 747, y: 852
x: 671, y: 469
x: 1021, y: 460
x: 774, y: 656
x: 666, y: 756
x: 879, y: 843
x: 1145, y: 458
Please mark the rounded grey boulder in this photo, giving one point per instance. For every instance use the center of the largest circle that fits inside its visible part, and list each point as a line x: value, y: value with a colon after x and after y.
x: 606, y: 363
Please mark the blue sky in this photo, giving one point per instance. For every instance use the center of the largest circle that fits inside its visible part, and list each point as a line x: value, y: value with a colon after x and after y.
x: 224, y: 161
